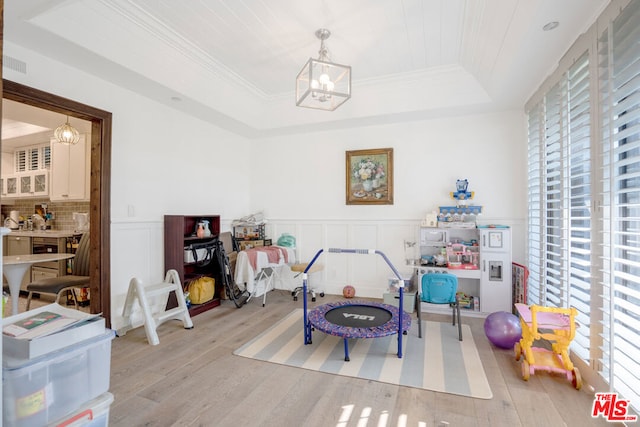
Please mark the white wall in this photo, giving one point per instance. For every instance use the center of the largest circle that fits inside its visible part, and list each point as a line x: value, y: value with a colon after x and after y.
x: 163, y: 162
x: 166, y: 162
x: 299, y: 182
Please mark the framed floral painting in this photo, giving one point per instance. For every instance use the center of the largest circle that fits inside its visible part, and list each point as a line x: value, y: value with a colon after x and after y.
x: 370, y: 177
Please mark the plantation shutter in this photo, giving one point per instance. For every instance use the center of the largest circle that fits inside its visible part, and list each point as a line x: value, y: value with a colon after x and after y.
x: 554, y: 227
x: 534, y: 228
x: 619, y: 72
x: 560, y: 177
x: 578, y: 188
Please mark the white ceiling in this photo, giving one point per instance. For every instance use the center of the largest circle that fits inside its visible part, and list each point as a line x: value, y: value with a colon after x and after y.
x: 234, y: 62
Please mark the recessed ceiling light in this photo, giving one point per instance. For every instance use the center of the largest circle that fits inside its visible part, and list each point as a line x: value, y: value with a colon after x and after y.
x: 551, y: 26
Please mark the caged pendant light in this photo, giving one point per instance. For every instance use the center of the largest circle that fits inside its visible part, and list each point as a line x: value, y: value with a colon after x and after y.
x: 322, y: 84
x: 66, y: 134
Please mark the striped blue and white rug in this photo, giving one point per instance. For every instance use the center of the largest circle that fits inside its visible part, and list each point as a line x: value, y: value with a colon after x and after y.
x: 437, y: 362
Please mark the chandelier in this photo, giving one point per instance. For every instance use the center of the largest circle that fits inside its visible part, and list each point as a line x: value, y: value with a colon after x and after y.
x: 322, y: 84
x: 66, y: 134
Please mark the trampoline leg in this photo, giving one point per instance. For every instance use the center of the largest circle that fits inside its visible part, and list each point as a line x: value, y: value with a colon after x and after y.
x: 417, y: 304
x: 307, y: 333
x: 346, y: 350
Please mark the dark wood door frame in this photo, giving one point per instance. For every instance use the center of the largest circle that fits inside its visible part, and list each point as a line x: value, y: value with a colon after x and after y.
x: 100, y: 187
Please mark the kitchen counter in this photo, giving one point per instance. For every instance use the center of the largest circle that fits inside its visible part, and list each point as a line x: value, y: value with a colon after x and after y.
x: 43, y: 233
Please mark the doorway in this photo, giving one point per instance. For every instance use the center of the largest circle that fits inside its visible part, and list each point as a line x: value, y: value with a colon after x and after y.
x: 100, y: 183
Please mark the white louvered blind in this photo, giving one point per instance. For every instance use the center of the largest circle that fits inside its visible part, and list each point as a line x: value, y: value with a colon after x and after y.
x: 578, y: 190
x: 34, y: 156
x: 21, y: 160
x: 554, y: 192
x: 560, y: 209
x: 534, y: 227
x: 619, y: 73
x: 45, y: 157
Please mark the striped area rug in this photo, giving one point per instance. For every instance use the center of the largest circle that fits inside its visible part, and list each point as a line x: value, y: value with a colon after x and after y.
x: 437, y: 362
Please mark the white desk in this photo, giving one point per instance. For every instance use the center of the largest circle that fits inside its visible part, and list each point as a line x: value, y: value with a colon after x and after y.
x: 15, y: 267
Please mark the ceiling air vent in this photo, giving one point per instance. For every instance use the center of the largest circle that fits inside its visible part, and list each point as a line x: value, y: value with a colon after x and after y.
x: 14, y: 64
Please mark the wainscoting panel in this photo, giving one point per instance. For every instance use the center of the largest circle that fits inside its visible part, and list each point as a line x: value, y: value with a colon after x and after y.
x: 369, y: 274
x: 137, y: 251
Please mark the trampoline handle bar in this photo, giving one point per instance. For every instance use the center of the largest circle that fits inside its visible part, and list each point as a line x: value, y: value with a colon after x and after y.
x: 357, y: 251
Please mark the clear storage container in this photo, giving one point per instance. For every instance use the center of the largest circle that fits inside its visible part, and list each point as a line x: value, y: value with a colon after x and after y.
x: 39, y: 391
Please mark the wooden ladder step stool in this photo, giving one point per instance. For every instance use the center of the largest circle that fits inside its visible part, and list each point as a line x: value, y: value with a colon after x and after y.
x: 152, y: 320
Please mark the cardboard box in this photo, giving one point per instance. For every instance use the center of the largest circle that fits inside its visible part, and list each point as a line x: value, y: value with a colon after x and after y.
x: 89, y: 326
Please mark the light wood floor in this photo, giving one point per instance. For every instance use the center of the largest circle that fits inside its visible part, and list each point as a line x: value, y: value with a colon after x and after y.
x: 192, y: 379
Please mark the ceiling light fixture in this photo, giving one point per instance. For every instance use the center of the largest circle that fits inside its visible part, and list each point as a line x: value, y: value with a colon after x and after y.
x: 67, y: 134
x: 322, y: 84
x: 550, y: 26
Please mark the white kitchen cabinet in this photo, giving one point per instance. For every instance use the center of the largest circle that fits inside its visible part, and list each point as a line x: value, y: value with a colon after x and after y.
x: 70, y: 171
x: 38, y: 273
x: 10, y: 186
x: 33, y: 184
x: 20, y: 245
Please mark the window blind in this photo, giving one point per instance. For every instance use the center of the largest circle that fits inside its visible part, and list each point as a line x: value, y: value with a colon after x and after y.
x: 560, y: 210
x: 578, y: 190
x: 619, y: 72
x: 534, y: 223
x: 554, y: 228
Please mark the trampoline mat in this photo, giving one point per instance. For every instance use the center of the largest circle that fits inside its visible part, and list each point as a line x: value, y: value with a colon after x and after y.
x: 385, y: 316
x: 358, y: 316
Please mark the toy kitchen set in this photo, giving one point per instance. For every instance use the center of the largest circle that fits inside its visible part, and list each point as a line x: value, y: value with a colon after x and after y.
x: 451, y: 241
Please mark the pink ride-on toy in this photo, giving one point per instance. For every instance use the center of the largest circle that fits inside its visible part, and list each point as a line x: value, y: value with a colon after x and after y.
x: 557, y: 325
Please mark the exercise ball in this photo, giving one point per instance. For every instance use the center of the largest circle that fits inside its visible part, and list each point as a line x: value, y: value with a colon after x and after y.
x: 502, y: 329
x: 349, y: 291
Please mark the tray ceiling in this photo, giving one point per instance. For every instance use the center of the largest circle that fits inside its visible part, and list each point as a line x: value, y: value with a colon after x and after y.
x: 234, y: 62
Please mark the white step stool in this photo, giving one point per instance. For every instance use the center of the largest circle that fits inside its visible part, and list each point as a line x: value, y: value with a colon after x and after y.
x: 153, y: 320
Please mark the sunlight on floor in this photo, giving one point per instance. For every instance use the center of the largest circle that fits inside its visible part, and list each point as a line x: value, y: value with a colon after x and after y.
x: 383, y: 418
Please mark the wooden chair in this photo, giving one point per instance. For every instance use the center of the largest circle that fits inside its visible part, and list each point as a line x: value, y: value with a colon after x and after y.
x: 59, y: 285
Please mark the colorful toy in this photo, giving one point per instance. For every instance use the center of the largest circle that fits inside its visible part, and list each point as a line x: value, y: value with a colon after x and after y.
x: 502, y: 329
x: 556, y: 325
x: 461, y: 192
x: 349, y: 291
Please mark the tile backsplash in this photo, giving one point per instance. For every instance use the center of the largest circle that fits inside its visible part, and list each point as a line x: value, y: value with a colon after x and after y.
x: 62, y: 211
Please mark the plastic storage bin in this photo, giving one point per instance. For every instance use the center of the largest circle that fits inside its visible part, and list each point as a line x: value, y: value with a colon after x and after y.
x: 92, y: 414
x: 40, y: 391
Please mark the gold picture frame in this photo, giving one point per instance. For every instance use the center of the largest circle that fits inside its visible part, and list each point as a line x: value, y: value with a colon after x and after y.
x: 369, y: 177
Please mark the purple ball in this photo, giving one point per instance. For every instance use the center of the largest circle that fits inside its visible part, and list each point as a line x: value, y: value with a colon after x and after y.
x: 502, y: 329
